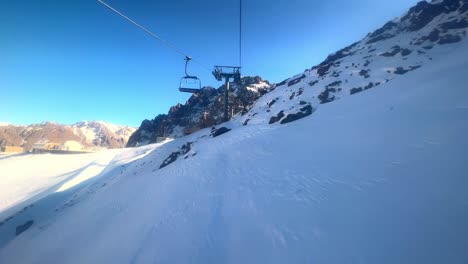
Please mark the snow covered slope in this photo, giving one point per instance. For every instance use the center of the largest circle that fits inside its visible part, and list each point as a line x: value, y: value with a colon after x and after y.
x: 19, y: 183
x: 384, y: 183
x: 404, y: 45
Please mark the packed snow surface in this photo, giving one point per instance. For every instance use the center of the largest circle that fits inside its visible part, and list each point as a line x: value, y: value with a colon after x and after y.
x: 20, y: 182
x: 377, y: 177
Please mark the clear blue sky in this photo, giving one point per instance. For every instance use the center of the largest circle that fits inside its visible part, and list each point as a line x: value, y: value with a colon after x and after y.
x: 67, y: 61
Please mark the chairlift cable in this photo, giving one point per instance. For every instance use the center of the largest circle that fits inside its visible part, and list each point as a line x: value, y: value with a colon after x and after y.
x: 151, y: 33
x: 240, y: 33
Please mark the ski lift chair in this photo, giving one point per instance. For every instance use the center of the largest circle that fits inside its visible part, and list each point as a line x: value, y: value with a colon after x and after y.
x: 189, y: 84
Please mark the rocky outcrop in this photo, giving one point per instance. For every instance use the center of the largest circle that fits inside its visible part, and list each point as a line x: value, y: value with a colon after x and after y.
x: 202, y: 110
x: 21, y: 228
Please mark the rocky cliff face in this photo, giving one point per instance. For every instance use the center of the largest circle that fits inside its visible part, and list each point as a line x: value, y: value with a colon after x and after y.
x: 202, y: 110
x: 89, y: 134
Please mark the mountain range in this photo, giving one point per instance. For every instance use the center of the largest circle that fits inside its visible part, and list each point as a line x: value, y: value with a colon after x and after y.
x: 89, y: 133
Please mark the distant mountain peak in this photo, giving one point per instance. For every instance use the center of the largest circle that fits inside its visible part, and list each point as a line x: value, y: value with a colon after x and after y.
x: 88, y: 133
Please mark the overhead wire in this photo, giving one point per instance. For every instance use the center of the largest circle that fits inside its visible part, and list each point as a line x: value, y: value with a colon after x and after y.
x: 240, y: 33
x: 152, y: 34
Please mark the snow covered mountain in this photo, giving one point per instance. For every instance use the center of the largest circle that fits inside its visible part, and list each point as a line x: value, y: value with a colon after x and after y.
x: 99, y: 133
x: 377, y: 177
x: 90, y: 134
x: 401, y: 46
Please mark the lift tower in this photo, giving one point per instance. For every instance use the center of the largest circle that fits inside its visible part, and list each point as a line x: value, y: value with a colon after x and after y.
x: 227, y: 72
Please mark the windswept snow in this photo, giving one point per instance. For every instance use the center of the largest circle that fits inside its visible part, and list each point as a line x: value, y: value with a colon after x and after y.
x: 384, y: 183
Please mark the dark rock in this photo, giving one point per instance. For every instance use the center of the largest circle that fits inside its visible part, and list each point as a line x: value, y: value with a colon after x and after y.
x: 423, y: 13
x: 380, y: 38
x: 170, y: 159
x: 447, y: 39
x: 323, y: 70
x: 326, y: 96
x: 174, y: 155
x: 394, y: 51
x: 405, y: 52
x: 335, y: 74
x: 388, y: 26
x: 272, y: 102
x: 301, y: 90
x: 21, y: 228
x: 292, y: 96
x: 464, y: 8
x: 276, y: 118
x: 455, y: 24
x: 312, y: 83
x: 401, y: 70
x: 305, y: 111
x: 282, y: 83
x: 246, y: 122
x: 368, y: 86
x: 356, y: 90
x: 220, y: 131
x: 434, y: 35
x: 333, y: 58
x: 296, y: 80
x: 364, y: 73
x: 333, y: 84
